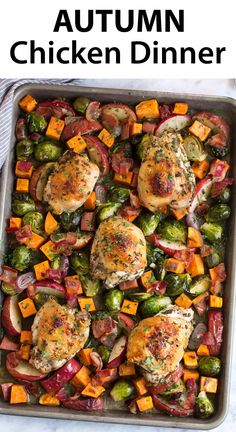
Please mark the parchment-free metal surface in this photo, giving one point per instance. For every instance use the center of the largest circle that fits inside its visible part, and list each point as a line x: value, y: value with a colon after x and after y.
x: 115, y: 414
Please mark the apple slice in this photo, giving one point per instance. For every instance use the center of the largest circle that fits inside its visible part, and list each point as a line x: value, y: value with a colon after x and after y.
x: 46, y: 287
x: 57, y: 380
x: 169, y: 247
x: 202, y: 192
x: 98, y: 153
x: 118, y: 353
x: 8, y: 345
x: 11, y: 316
x: 173, y: 123
x: 6, y: 391
x: 39, y: 179
x: 85, y: 404
x: 21, y: 369
x: 121, y: 111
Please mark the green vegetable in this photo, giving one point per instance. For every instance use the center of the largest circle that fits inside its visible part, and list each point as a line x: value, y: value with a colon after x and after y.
x: 224, y: 197
x: 199, y: 285
x: 204, y: 406
x: 104, y: 352
x: 56, y: 263
x: 177, y: 283
x: 21, y: 257
x: 35, y: 220
x: 123, y: 389
x: 139, y: 296
x: 212, y: 231
x: 172, y: 230
x: 218, y: 213
x: 209, y: 366
x: 24, y: 149
x: 148, y: 222
x: 113, y: 299
x: 218, y: 152
x: 194, y: 149
x: 22, y: 204
x: 108, y: 210
x: 160, y: 271
x: 81, y: 103
x: 80, y: 262
x: 212, y: 260
x: 41, y: 298
x: 142, y: 146
x: 70, y: 221
x: 100, y: 315
x: 154, y: 254
x: 47, y: 151
x: 90, y: 286
x: 36, y: 123
x: 119, y: 194
x: 8, y: 289
x: 153, y: 305
x: 178, y: 387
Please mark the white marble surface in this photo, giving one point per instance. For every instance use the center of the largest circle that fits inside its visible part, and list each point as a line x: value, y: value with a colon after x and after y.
x: 13, y: 424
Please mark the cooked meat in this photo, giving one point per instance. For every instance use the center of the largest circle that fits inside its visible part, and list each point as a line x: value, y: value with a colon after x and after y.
x: 165, y: 176
x: 157, y: 344
x: 118, y: 252
x: 71, y: 183
x: 58, y: 334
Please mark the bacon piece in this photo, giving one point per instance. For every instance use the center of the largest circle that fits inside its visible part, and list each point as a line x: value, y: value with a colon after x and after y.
x: 201, y: 306
x: 88, y: 404
x: 206, y: 250
x: 214, y: 337
x: 105, y: 330
x: 157, y: 287
x: 129, y: 213
x: 165, y: 111
x: 149, y: 127
x: 8, y: 275
x: 23, y: 234
x: 219, y: 187
x: 121, y: 164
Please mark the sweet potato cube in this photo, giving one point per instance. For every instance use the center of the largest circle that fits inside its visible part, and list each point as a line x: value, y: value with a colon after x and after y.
x: 18, y: 394
x: 73, y: 285
x: 200, y: 168
x: 82, y: 378
x: 123, y: 178
x: 41, y: 270
x: 90, y: 203
x: 24, y: 169
x: 196, y: 266
x: 190, y: 359
x: 55, y: 128
x: 106, y: 138
x: 203, y: 350
x: 28, y: 103
x: 147, y: 278
x: 183, y: 301
x: 15, y: 222
x: 127, y: 369
x: 50, y: 224
x: 216, y: 301
x: 22, y: 185
x: 188, y: 374
x: 180, y: 108
x: 147, y: 109
x: 27, y: 307
x: 145, y: 403
x: 92, y: 391
x: 77, y: 144
x: 200, y: 130
x: 86, y: 304
x: 179, y: 213
x: 49, y: 250
x: 174, y: 265
x: 208, y: 384
x: 25, y: 352
x: 140, y: 385
x: 84, y: 356
x: 49, y: 399
x: 135, y: 128
x: 194, y: 238
x: 34, y: 241
x: 129, y: 307
x: 26, y: 337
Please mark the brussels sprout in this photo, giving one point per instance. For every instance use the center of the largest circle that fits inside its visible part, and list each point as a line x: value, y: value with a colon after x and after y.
x: 90, y: 286
x: 209, y: 366
x: 178, y: 387
x: 104, y: 352
x: 212, y: 260
x: 47, y: 151
x: 92, y: 343
x: 100, y: 315
x: 153, y: 305
x: 218, y: 152
x: 160, y: 271
x: 194, y: 149
x: 119, y: 194
x: 113, y: 299
x: 139, y: 296
x: 36, y: 123
x: 24, y: 149
x: 41, y: 298
x: 204, y: 406
x: 70, y: 221
x: 22, y: 204
x: 224, y: 197
x: 177, y: 283
x: 172, y: 230
x: 81, y: 103
x: 148, y: 222
x: 142, y: 146
x: 123, y: 389
x: 199, y: 285
x: 212, y: 231
x: 21, y: 258
x: 56, y: 262
x: 218, y: 213
x: 154, y: 254
x: 108, y: 210
x: 80, y: 262
x: 35, y: 220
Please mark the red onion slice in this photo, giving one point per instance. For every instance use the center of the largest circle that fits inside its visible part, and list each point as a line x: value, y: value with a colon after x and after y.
x: 24, y: 280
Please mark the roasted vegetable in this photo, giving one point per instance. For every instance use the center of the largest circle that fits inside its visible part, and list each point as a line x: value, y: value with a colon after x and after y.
x: 123, y: 389
x: 194, y: 149
x: 172, y: 230
x: 81, y: 103
x: 212, y: 231
x: 217, y: 151
x: 47, y: 151
x: 113, y: 299
x: 148, y: 222
x: 199, y: 285
x: 160, y: 270
x: 22, y: 204
x: 24, y: 149
x: 36, y: 123
x: 35, y: 220
x: 176, y: 388
x: 141, y: 147
x: 104, y: 352
x: 80, y: 262
x: 213, y: 259
x: 21, y: 258
x: 90, y: 286
x: 153, y: 305
x: 204, y: 406
x: 154, y: 254
x: 218, y: 213
x: 224, y: 197
x: 70, y: 221
x: 139, y: 296
x: 177, y: 283
x: 209, y: 366
x: 108, y: 210
x: 119, y: 194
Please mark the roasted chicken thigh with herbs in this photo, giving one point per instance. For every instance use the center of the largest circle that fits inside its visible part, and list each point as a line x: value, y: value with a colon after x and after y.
x: 165, y: 176
x: 58, y: 334
x: 118, y: 252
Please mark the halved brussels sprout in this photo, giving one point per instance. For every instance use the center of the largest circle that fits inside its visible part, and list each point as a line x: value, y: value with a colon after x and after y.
x: 70, y: 221
x: 90, y: 286
x: 194, y: 149
x: 113, y: 299
x: 212, y: 231
x: 141, y: 147
x: 139, y: 296
x: 24, y: 149
x: 218, y: 213
x: 123, y: 389
x: 21, y: 257
x: 154, y: 254
x: 35, y: 220
x: 225, y: 195
x: 47, y: 151
x: 80, y: 262
x: 36, y: 122
x: 119, y: 194
x: 81, y: 103
x: 153, y: 305
x: 148, y: 222
x: 204, y: 406
x: 172, y: 230
x: 108, y: 210
x: 199, y: 285
x: 177, y: 283
x: 209, y: 366
x: 22, y: 204
x: 104, y: 352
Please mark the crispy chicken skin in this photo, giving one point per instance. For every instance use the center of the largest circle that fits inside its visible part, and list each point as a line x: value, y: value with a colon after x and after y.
x: 58, y: 334
x: 157, y: 344
x: 118, y: 252
x: 71, y: 183
x: 165, y: 176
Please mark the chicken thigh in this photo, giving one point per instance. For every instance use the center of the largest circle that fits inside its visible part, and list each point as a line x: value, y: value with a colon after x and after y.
x: 118, y: 252
x: 58, y: 334
x: 157, y: 344
x: 165, y: 176
x: 70, y: 183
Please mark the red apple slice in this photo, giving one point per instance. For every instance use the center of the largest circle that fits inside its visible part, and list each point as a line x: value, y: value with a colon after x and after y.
x: 21, y: 369
x: 6, y: 391
x: 46, y: 287
x: 111, y: 122
x: 98, y: 153
x: 61, y: 376
x: 117, y: 353
x: 85, y: 404
x: 93, y: 111
x: 8, y: 345
x: 175, y: 122
x: 169, y: 247
x: 121, y: 111
x: 11, y: 316
x: 202, y: 192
